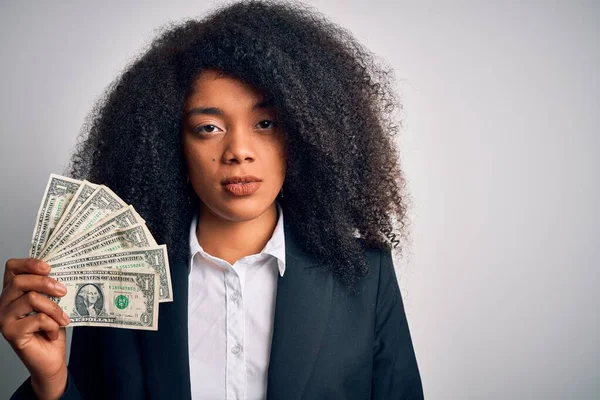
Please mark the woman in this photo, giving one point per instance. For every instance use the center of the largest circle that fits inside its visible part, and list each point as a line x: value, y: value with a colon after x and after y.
x: 257, y: 144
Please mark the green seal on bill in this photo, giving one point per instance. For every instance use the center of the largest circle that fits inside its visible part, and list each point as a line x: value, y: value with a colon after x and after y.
x: 121, y: 301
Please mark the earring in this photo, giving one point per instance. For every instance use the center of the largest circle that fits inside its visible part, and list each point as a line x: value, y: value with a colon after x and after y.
x: 281, y: 193
x: 188, y: 189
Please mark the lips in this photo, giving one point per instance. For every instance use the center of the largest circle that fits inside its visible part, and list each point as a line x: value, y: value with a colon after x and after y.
x: 240, y: 179
x: 241, y: 185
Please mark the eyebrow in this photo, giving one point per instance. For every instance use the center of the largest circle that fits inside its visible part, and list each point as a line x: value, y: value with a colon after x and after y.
x: 218, y: 112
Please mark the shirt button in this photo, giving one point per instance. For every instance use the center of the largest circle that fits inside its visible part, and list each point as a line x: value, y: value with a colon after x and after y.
x: 235, y: 297
x: 236, y: 349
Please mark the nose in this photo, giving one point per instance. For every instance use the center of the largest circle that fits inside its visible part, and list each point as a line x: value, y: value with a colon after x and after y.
x: 238, y: 146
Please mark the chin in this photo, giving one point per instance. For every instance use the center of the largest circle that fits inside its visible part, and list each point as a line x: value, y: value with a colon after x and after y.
x: 242, y: 209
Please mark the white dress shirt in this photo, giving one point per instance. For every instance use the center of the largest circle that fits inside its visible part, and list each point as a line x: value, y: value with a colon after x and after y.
x: 230, y: 319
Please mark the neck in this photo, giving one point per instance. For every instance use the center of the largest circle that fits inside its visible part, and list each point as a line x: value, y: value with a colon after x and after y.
x: 232, y: 240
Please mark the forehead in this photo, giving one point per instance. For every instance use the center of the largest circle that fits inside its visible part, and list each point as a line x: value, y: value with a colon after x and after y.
x: 214, y: 85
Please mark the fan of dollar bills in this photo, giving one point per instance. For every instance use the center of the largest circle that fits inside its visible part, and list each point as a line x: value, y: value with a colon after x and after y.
x: 101, y: 250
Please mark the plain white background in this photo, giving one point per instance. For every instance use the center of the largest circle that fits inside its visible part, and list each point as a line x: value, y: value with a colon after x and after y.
x: 500, y: 148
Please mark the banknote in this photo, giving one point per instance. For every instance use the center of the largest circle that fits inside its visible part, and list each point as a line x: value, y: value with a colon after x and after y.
x: 81, y: 195
x: 57, y: 195
x: 136, y: 236
x: 121, y: 218
x: 109, y: 297
x: 155, y: 258
x: 101, y: 249
x: 101, y: 203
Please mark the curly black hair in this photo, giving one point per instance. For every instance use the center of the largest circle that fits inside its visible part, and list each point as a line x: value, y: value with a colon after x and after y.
x: 335, y: 104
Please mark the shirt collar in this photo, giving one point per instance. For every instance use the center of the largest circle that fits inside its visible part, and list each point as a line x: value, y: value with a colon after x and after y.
x: 274, y: 247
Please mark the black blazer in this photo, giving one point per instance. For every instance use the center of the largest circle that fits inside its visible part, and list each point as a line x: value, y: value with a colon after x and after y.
x: 326, y: 344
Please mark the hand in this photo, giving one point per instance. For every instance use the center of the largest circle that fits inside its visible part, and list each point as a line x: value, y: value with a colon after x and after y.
x: 39, y: 340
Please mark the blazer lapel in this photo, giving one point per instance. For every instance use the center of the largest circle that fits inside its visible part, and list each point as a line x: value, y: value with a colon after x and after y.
x: 302, y: 307
x: 165, y: 354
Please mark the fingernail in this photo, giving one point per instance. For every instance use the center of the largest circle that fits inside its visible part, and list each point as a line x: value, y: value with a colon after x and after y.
x: 60, y: 287
x: 66, y: 317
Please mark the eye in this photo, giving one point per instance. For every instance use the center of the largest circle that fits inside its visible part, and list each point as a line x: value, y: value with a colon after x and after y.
x: 210, y: 127
x: 273, y: 123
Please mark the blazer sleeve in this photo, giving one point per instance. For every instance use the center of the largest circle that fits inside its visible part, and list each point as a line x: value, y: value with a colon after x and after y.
x: 93, y: 356
x: 395, y: 371
x: 25, y: 391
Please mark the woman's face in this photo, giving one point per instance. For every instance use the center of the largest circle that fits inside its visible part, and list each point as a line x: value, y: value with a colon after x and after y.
x: 228, y: 133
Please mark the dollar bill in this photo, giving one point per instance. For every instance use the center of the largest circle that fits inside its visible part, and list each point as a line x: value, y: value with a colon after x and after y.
x: 155, y: 258
x: 119, y: 219
x: 101, y: 203
x: 109, y: 297
x: 57, y: 195
x: 101, y: 249
x: 136, y: 236
x: 81, y: 195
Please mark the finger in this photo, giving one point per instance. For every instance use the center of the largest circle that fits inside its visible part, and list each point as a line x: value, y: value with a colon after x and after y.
x: 16, y: 266
x: 34, y: 301
x: 18, y: 332
x: 27, y: 282
x: 52, y: 335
